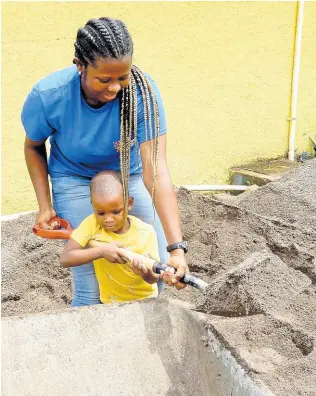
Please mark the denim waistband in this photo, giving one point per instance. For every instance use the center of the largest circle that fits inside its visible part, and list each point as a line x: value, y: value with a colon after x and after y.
x: 85, y: 178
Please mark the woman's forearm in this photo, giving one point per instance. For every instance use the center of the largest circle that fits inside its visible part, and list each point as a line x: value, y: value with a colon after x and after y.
x: 36, y: 161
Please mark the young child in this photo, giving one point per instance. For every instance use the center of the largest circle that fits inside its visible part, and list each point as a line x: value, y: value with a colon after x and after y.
x: 117, y: 280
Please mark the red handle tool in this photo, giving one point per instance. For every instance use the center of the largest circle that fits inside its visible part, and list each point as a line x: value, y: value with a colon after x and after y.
x: 63, y: 232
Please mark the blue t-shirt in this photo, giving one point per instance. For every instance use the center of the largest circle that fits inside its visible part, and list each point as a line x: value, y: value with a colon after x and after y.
x: 84, y: 140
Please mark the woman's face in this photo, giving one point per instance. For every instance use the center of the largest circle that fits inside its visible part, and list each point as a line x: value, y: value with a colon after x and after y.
x: 102, y: 82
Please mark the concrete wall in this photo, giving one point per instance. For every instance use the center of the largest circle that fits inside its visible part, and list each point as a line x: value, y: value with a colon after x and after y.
x: 153, y: 347
x: 224, y: 70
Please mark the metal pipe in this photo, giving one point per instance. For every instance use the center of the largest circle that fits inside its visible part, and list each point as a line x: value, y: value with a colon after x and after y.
x: 295, y: 78
x: 214, y: 187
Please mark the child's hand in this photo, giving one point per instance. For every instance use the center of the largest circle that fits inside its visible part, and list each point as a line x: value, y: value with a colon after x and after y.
x: 114, y: 252
x: 138, y: 266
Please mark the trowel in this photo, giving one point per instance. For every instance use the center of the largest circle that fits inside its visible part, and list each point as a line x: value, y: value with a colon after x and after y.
x: 63, y: 231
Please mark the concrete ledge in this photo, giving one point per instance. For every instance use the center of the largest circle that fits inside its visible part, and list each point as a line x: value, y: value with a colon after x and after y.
x: 15, y: 216
x: 153, y: 347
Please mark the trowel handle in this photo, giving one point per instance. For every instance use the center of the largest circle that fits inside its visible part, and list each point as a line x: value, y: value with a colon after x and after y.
x: 189, y: 279
x: 157, y: 267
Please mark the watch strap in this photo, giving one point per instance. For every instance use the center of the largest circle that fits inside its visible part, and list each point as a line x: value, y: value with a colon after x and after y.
x: 178, y: 245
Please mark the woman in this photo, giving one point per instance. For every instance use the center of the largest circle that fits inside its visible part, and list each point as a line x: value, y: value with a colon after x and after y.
x: 101, y: 114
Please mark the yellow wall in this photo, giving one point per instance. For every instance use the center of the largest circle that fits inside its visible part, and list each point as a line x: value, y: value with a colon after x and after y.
x: 224, y: 70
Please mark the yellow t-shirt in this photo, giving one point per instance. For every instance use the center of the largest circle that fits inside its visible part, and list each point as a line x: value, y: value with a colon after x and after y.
x: 117, y: 282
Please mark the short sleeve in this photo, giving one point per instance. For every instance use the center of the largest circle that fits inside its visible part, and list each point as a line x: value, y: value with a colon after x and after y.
x: 34, y: 119
x: 151, y: 246
x: 142, y: 134
x: 84, y: 233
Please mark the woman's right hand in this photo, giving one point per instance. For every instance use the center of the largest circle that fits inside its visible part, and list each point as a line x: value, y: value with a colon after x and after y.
x: 114, y: 252
x: 44, y: 217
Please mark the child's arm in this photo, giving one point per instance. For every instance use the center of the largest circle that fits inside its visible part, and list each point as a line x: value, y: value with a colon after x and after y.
x: 74, y: 254
x: 151, y: 277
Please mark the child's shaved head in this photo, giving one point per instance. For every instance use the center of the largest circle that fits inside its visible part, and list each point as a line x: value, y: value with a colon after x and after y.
x: 108, y: 203
x: 107, y: 183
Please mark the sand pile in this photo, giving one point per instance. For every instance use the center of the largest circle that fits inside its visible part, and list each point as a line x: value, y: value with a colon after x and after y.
x: 257, y: 251
x: 247, y: 288
x: 32, y: 278
x: 292, y: 199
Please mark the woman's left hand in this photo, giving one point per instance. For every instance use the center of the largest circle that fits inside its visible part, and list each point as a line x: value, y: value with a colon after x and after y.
x: 177, y: 261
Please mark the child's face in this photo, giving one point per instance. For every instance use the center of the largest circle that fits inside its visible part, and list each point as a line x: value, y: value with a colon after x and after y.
x: 109, y: 212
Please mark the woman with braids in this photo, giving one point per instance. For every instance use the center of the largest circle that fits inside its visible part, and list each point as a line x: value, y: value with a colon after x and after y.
x: 102, y: 113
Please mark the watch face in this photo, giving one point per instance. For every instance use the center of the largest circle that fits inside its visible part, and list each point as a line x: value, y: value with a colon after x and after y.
x: 184, y: 244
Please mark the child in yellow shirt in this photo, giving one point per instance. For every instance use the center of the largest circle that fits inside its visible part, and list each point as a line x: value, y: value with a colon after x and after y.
x: 117, y: 280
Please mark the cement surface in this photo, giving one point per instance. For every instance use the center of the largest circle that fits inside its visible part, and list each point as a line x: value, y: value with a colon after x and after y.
x: 154, y: 347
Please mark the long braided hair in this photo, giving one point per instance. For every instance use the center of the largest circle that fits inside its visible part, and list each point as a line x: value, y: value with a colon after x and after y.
x: 109, y: 38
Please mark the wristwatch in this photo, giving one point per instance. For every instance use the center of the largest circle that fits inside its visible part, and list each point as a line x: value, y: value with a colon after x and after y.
x: 179, y: 245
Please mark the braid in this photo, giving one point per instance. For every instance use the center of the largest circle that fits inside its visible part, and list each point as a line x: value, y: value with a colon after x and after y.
x: 81, y: 51
x: 109, y: 38
x: 118, y: 36
x: 103, y: 37
x: 129, y: 124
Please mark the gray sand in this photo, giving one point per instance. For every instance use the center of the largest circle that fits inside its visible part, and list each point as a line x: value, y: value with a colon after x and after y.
x: 257, y: 250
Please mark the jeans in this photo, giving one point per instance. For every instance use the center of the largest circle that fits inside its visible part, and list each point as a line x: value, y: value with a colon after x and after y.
x: 71, y: 200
